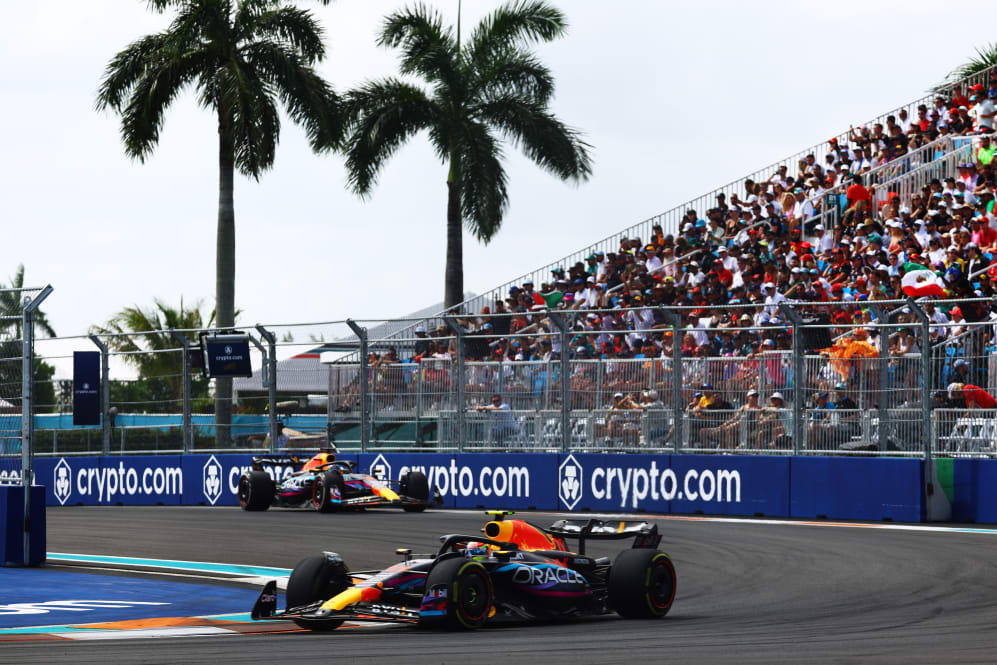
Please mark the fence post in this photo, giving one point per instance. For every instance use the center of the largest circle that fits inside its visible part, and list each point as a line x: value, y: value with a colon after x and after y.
x: 882, y: 324
x: 675, y: 320
x: 562, y: 327
x: 105, y: 395
x: 27, y: 409
x: 270, y: 361
x: 188, y: 434
x: 361, y: 333
x: 458, y: 332
x: 798, y: 370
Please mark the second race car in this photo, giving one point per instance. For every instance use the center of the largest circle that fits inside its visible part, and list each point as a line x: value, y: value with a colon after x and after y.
x: 329, y: 485
x: 517, y: 572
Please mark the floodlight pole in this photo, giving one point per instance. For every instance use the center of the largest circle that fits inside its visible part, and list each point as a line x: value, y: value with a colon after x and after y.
x: 562, y: 326
x: 105, y: 395
x: 269, y: 379
x: 361, y: 333
x: 27, y: 408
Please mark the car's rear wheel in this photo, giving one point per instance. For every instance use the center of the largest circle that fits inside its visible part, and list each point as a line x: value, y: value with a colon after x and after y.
x: 642, y: 584
x: 461, y: 593
x: 327, y: 491
x: 414, y: 485
x: 256, y: 490
x: 316, y: 578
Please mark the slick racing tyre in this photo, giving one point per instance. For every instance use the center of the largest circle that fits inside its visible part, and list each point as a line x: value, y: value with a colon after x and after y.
x: 316, y: 578
x: 327, y: 490
x: 642, y: 584
x: 415, y: 486
x: 466, y: 590
x: 256, y: 490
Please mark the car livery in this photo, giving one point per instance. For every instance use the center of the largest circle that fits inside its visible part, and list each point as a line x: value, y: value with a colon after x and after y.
x: 329, y: 485
x: 517, y: 571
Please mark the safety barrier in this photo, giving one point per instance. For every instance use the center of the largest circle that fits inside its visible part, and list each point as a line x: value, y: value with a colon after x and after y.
x: 858, y: 488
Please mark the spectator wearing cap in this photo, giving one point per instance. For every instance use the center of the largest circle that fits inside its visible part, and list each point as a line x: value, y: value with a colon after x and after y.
x: 970, y: 396
x: 651, y: 260
x: 983, y: 113
x: 727, y: 434
x: 773, y: 425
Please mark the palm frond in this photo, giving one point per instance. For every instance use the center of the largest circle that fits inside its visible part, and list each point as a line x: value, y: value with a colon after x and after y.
x: 310, y: 101
x: 986, y: 58
x: 514, y: 72
x: 484, y: 195
x: 384, y: 114
x: 513, y: 23
x: 543, y: 138
x: 428, y: 49
x: 289, y: 25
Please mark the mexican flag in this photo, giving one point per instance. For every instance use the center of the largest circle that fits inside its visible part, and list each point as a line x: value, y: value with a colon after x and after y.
x: 920, y: 281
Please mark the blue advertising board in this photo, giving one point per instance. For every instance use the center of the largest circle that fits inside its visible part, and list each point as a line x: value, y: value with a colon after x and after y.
x: 857, y: 488
x: 615, y: 483
x: 808, y: 487
x: 731, y: 485
x: 86, y: 388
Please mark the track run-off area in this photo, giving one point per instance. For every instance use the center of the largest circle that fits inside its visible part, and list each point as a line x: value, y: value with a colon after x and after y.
x: 749, y: 591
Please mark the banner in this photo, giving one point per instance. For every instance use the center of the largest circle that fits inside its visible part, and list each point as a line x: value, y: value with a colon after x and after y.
x: 857, y: 489
x: 227, y: 357
x: 86, y: 387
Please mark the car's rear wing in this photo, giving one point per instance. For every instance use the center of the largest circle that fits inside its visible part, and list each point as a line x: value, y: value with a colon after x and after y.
x: 645, y: 535
x: 260, y: 461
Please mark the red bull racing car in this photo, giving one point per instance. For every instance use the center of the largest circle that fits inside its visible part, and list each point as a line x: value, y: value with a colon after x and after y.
x: 329, y: 485
x: 517, y: 572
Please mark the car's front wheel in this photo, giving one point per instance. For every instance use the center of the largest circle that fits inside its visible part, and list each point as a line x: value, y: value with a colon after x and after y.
x: 414, y: 485
x: 458, y: 595
x: 642, y: 584
x: 327, y: 491
x: 316, y: 578
x: 256, y: 490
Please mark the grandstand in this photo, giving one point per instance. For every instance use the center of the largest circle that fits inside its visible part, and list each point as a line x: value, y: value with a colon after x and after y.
x: 900, y: 206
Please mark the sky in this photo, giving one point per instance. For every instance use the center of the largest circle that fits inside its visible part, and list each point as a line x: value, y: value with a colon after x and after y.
x: 676, y: 98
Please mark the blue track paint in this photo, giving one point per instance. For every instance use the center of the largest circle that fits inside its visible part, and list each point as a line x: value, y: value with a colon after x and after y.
x: 24, y: 589
x: 262, y: 571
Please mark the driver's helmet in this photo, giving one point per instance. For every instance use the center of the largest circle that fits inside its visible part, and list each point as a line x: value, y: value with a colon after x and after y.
x: 475, y: 550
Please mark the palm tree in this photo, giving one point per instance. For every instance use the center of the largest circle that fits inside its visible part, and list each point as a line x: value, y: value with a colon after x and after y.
x: 144, y: 336
x: 490, y: 86
x: 11, y: 306
x: 986, y: 58
x: 241, y: 57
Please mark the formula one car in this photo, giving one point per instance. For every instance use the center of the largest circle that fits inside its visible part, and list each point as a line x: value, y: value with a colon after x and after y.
x: 330, y: 485
x: 517, y: 572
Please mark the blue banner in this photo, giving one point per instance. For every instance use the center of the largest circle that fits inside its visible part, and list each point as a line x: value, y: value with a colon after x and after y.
x: 86, y: 388
x: 808, y: 487
x: 974, y: 490
x: 12, y: 527
x: 729, y: 485
x: 227, y: 357
x: 857, y: 489
x: 627, y: 483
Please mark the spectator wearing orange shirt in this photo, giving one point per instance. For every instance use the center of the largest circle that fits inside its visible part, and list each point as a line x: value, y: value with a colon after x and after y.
x: 857, y: 192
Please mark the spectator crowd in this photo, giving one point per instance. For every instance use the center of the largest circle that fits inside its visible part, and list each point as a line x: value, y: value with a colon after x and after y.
x: 727, y: 269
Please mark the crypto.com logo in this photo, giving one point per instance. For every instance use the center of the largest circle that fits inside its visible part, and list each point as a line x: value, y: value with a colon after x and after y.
x: 569, y: 482
x: 212, y: 480
x: 380, y: 469
x: 63, y: 485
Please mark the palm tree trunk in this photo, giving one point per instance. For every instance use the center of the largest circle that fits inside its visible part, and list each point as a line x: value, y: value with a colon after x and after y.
x: 453, y: 290
x: 225, y: 273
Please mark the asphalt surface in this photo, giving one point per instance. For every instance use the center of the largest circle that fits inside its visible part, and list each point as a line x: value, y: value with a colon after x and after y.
x: 747, y: 592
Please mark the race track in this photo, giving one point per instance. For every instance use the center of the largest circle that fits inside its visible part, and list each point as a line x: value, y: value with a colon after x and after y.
x: 748, y: 592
